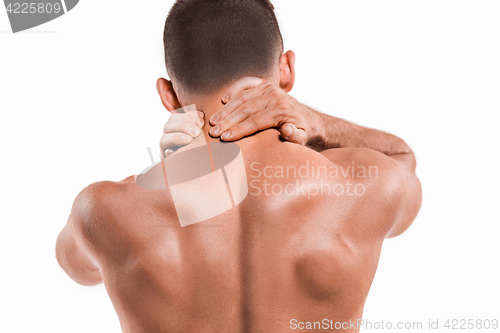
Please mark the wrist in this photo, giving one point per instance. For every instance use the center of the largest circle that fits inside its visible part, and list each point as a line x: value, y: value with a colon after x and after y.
x: 315, y: 123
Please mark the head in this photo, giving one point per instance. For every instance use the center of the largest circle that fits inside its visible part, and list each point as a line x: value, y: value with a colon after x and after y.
x: 209, y: 44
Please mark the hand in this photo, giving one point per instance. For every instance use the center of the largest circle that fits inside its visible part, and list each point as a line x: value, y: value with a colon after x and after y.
x: 253, y: 104
x: 180, y: 130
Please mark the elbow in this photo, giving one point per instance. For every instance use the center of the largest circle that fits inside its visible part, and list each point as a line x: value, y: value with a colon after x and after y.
x: 411, y: 201
x: 77, y: 269
x: 90, y: 279
x: 82, y: 276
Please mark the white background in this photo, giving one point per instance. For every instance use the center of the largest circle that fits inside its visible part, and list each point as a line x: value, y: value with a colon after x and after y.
x: 72, y: 91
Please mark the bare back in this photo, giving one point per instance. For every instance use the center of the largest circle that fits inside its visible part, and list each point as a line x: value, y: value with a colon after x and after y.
x: 298, y: 250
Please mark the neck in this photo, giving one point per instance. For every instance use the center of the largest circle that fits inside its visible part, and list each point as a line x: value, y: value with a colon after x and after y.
x: 209, y: 104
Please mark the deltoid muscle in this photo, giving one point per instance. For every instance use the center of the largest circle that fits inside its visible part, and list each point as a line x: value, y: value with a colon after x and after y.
x: 204, y: 180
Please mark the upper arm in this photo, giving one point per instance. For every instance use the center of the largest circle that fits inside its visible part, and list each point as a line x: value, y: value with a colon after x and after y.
x: 393, y: 193
x: 73, y: 250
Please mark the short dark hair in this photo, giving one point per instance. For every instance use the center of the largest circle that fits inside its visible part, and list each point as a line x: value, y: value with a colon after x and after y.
x: 211, y: 43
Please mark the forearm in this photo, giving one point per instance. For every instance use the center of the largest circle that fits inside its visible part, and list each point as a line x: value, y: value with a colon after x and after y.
x: 326, y: 132
x: 75, y: 262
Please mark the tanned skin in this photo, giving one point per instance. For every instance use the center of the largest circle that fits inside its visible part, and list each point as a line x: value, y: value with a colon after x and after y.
x: 272, y: 258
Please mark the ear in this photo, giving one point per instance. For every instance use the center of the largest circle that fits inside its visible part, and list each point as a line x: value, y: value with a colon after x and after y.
x: 167, y: 95
x: 287, y: 71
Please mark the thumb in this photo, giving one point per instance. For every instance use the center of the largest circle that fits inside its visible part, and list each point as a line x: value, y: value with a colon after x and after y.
x: 291, y: 133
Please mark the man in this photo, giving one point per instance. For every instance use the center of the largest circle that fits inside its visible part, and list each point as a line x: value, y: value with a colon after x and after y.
x: 304, y: 244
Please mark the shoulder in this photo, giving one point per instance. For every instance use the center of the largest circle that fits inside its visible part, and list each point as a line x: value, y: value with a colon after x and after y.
x: 94, y: 209
x: 377, y: 169
x: 363, y: 156
x: 103, y: 193
x: 380, y: 194
x: 95, y: 197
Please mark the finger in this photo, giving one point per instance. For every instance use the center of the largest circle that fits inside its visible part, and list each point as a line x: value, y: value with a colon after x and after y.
x: 229, y: 108
x: 201, y: 117
x: 240, y: 85
x: 184, y: 127
x: 166, y: 153
x: 239, y: 97
x: 197, y: 117
x: 190, y: 116
x: 249, y: 126
x: 240, y: 114
x: 291, y: 133
x: 174, y: 141
x: 186, y: 123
